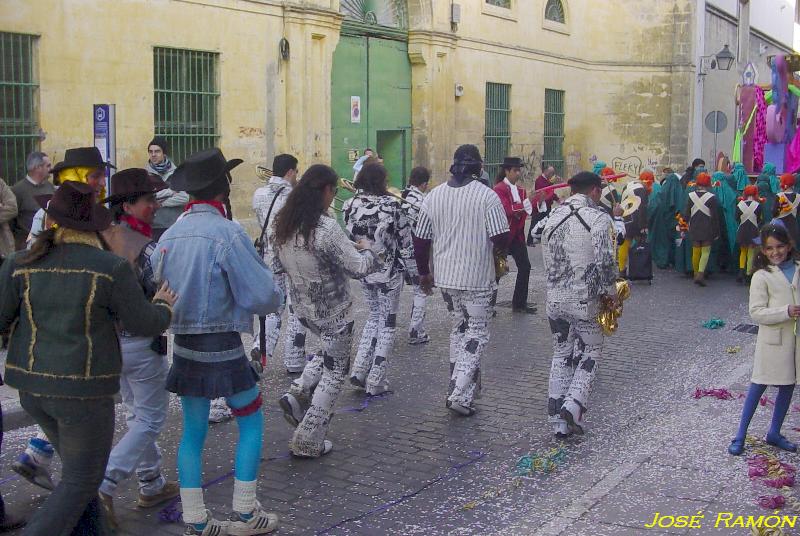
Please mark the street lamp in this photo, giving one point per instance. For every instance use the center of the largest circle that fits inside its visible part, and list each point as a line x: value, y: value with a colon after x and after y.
x: 722, y: 60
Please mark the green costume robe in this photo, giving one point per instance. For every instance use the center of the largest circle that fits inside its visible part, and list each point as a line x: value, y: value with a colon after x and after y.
x: 725, y: 249
x: 672, y: 199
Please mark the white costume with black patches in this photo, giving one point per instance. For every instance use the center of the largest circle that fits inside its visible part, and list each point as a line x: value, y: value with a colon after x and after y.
x: 318, y: 283
x: 382, y: 220
x: 294, y: 346
x: 580, y: 266
x: 461, y: 221
x: 416, y: 330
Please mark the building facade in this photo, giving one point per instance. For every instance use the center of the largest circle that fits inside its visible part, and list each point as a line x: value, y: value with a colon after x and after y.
x: 564, y: 81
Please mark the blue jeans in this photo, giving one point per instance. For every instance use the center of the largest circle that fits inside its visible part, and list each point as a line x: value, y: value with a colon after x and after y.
x: 143, y: 386
x: 81, y: 431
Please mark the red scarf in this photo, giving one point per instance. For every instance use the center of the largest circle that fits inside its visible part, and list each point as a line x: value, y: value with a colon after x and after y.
x: 216, y: 204
x: 137, y: 225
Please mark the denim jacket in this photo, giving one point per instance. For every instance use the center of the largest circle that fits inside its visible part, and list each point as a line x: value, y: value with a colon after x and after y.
x: 220, y: 279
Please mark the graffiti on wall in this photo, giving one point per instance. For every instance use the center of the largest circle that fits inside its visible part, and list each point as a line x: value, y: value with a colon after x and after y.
x: 633, y: 165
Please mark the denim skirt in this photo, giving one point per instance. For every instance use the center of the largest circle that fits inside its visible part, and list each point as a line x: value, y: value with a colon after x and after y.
x: 210, y: 365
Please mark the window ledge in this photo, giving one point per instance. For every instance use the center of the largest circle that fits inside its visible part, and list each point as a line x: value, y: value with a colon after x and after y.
x: 501, y: 12
x: 555, y: 27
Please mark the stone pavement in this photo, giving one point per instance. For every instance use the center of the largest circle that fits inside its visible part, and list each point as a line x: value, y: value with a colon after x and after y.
x: 403, y: 464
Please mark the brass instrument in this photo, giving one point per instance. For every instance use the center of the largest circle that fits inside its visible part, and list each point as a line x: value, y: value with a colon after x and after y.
x: 611, y: 308
x: 263, y: 172
x: 500, y: 264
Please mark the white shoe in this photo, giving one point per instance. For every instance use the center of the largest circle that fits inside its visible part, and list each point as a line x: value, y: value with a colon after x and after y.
x: 572, y: 412
x: 212, y: 528
x: 292, y: 409
x: 262, y: 522
x: 220, y: 412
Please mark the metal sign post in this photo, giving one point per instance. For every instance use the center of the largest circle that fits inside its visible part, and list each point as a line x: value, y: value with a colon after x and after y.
x: 105, y: 135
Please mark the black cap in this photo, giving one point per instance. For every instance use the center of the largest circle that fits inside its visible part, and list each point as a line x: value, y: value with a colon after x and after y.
x: 585, y: 179
x: 160, y: 141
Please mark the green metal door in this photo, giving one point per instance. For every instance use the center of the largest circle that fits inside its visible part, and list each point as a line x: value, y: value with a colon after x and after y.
x: 378, y: 72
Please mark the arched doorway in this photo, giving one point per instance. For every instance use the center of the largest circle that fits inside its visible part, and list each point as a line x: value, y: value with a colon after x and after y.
x: 371, y: 87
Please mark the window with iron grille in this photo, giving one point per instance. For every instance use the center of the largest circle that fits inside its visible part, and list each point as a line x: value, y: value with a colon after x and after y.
x: 186, y: 93
x: 500, y: 3
x: 19, y: 113
x: 498, y: 125
x: 554, y: 11
x: 554, y: 129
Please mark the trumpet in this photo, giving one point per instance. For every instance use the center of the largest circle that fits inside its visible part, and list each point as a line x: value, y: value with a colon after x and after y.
x: 611, y: 308
x: 263, y: 172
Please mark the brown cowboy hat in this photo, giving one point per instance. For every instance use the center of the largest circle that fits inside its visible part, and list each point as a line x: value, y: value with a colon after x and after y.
x: 133, y: 182
x: 202, y: 169
x: 74, y: 206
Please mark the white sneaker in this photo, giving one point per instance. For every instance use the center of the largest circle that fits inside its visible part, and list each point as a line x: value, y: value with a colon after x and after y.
x: 292, y: 409
x: 212, y: 528
x: 261, y: 522
x: 572, y: 412
x: 220, y: 412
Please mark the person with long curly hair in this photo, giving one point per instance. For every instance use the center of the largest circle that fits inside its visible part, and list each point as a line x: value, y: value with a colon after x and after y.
x: 374, y: 215
x: 318, y: 257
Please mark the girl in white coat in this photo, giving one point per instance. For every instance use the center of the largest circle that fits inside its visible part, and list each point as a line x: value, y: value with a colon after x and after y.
x: 773, y: 306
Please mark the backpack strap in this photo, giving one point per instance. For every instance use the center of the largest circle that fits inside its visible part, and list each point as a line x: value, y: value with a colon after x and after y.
x: 260, y: 243
x: 573, y: 212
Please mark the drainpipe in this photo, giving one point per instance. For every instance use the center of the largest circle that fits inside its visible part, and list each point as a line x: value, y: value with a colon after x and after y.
x: 698, y: 50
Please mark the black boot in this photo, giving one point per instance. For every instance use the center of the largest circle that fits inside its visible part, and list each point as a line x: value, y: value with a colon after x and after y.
x: 740, y: 276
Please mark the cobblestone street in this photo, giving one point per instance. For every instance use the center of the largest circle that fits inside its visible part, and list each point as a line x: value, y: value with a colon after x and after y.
x: 403, y: 464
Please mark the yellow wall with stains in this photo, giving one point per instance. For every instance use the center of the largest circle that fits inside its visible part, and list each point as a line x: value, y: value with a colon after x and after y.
x: 101, y: 51
x: 624, y: 66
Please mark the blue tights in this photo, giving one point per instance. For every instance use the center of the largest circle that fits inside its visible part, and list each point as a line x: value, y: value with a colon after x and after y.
x: 754, y: 394
x: 195, y: 428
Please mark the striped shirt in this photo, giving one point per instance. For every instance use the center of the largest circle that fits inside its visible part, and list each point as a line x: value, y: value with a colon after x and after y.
x: 460, y: 221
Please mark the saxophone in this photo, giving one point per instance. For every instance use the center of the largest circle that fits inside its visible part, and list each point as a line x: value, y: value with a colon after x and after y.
x: 611, y: 308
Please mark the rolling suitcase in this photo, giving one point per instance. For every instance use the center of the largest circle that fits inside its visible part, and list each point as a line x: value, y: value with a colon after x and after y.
x: 640, y: 262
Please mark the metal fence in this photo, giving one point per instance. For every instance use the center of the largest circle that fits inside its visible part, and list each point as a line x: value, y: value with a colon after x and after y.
x: 498, y: 125
x: 186, y: 93
x: 554, y: 129
x: 19, y: 121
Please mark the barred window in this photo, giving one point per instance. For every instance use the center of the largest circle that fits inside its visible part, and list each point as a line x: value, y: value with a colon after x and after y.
x: 554, y: 129
x: 498, y: 125
x: 186, y: 94
x: 554, y: 11
x: 19, y: 107
x: 500, y: 3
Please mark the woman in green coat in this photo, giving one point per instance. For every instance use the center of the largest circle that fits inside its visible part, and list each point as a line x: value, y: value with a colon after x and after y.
x: 62, y: 301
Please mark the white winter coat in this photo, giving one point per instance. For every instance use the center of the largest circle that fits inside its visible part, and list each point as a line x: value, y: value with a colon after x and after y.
x: 777, y: 359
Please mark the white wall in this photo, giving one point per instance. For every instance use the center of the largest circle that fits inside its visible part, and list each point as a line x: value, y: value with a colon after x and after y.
x: 773, y: 17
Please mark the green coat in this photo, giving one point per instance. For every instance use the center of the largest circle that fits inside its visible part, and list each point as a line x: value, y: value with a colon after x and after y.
x: 62, y: 311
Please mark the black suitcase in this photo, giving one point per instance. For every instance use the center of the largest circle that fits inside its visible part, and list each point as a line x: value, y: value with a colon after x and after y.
x: 640, y: 262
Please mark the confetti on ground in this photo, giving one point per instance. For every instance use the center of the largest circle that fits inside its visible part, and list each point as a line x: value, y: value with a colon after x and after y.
x: 733, y: 349
x: 764, y: 467
x: 721, y: 394
x: 545, y: 463
x: 714, y: 323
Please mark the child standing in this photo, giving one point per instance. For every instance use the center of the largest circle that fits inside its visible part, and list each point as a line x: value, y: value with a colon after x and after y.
x: 702, y: 213
x: 773, y: 307
x: 748, y: 214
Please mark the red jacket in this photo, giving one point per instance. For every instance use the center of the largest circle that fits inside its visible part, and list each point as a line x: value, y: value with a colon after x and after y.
x: 548, y: 198
x: 515, y: 212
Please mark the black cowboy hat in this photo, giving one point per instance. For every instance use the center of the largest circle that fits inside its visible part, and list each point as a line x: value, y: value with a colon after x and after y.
x: 201, y: 170
x: 74, y: 206
x: 133, y: 182
x: 42, y: 200
x: 512, y: 162
x: 81, y: 157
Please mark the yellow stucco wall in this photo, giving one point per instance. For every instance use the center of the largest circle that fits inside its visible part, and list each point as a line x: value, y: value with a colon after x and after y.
x: 101, y: 51
x: 624, y: 65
